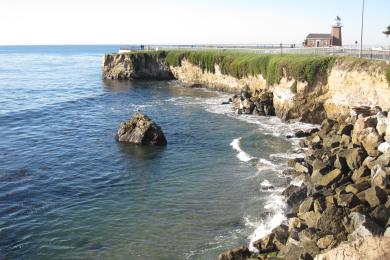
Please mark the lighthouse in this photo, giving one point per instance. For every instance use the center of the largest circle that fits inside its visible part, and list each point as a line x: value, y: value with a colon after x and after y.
x: 336, y: 32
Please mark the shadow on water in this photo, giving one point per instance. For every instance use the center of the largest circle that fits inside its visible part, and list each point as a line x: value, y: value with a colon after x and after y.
x: 140, y: 152
x: 117, y: 85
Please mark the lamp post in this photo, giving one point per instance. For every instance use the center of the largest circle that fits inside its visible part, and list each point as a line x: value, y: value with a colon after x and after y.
x: 361, y: 33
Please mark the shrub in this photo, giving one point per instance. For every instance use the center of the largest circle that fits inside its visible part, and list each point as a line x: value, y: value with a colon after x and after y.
x: 293, y: 87
x: 388, y: 74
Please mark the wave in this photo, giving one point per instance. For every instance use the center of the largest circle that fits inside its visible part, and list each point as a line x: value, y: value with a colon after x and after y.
x: 277, y: 207
x: 243, y: 156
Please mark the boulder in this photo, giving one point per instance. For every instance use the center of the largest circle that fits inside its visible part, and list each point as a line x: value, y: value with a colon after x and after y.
x: 358, y: 187
x: 363, y: 226
x: 345, y: 129
x: 360, y: 125
x: 380, y: 176
x: 370, y: 140
x: 375, y: 196
x: 359, y: 174
x: 330, y: 178
x: 325, y: 242
x: 141, y: 130
x: 310, y: 218
x: 354, y: 157
x: 380, y: 215
x: 348, y: 200
x: 306, y: 205
x: 331, y: 223
x: 384, y: 147
x: 239, y: 253
x: 295, y: 198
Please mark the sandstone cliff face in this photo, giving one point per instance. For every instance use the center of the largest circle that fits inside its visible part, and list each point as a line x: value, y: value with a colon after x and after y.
x: 347, y: 85
x: 135, y: 67
x: 332, y: 97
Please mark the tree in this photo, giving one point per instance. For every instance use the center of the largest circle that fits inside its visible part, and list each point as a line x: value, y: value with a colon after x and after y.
x: 387, y: 32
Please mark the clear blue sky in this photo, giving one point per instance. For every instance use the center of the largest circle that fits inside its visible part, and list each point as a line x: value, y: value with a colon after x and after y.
x: 186, y: 21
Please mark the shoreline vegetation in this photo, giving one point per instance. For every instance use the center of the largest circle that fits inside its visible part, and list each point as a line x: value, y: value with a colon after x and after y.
x: 344, y: 197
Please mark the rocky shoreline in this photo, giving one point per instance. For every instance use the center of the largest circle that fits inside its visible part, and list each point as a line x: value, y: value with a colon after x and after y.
x: 344, y: 199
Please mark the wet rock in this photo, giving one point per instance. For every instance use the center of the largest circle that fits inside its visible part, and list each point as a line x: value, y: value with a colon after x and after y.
x: 295, y: 196
x: 141, y: 130
x: 239, y: 253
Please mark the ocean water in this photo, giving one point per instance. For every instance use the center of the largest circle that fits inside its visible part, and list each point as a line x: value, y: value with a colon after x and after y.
x: 68, y: 190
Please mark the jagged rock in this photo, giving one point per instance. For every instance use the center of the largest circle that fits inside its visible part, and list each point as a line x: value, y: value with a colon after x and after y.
x: 330, y: 223
x: 375, y: 196
x: 319, y: 205
x: 345, y: 140
x: 360, y: 173
x: 363, y: 226
x: 360, y: 125
x: 354, y: 157
x: 345, y: 129
x: 296, y: 196
x: 239, y: 253
x: 380, y: 215
x: 325, y: 241
x: 306, y: 205
x: 280, y: 236
x: 330, y: 178
x: 327, y: 125
x: 348, y: 200
x: 311, y: 218
x: 356, y: 188
x: 380, y: 176
x: 370, y: 140
x: 140, y: 129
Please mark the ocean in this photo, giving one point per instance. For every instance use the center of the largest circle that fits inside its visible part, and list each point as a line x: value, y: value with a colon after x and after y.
x: 68, y: 190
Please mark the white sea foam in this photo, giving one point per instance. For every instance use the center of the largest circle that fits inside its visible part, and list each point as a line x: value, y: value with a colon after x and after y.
x: 243, y: 156
x: 266, y: 184
x: 277, y: 206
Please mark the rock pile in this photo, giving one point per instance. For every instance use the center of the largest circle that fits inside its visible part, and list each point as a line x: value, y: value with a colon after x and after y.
x: 345, y: 195
x: 141, y: 130
x: 259, y: 103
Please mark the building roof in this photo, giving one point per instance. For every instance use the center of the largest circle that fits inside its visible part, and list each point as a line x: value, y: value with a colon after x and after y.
x: 319, y: 36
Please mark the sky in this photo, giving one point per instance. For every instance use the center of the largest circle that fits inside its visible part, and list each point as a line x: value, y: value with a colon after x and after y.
x: 187, y: 21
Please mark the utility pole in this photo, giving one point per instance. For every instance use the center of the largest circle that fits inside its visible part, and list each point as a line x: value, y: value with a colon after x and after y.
x: 361, y: 33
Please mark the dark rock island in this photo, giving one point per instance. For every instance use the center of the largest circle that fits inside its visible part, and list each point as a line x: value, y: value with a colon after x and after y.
x: 141, y: 130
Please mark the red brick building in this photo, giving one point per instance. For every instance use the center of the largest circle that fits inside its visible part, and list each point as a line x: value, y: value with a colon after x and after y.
x: 325, y: 40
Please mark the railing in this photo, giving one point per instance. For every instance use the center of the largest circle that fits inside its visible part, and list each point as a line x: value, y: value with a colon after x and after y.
x: 373, y: 54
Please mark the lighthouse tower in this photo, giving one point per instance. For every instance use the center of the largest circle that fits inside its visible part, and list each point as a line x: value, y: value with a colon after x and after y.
x: 336, y: 32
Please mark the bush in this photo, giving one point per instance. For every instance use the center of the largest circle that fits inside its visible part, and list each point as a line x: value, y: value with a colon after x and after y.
x: 388, y: 74
x: 293, y: 87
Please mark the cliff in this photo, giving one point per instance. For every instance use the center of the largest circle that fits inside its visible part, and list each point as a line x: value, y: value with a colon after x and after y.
x: 305, y: 88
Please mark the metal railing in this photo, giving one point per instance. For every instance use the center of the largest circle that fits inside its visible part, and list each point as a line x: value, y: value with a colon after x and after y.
x: 368, y: 53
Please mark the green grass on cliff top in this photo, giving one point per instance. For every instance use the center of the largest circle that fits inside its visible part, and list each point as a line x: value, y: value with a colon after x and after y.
x: 271, y: 66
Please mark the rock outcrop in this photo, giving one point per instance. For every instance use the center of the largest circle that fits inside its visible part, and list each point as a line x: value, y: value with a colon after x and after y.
x: 141, y: 130
x: 137, y: 66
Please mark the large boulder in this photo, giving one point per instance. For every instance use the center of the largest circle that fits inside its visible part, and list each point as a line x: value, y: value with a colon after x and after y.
x: 141, y: 130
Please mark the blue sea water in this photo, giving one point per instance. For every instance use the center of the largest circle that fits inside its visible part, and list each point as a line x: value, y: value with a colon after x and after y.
x: 68, y: 190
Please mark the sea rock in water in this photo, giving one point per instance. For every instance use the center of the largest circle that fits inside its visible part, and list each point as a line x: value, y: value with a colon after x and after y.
x: 141, y: 130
